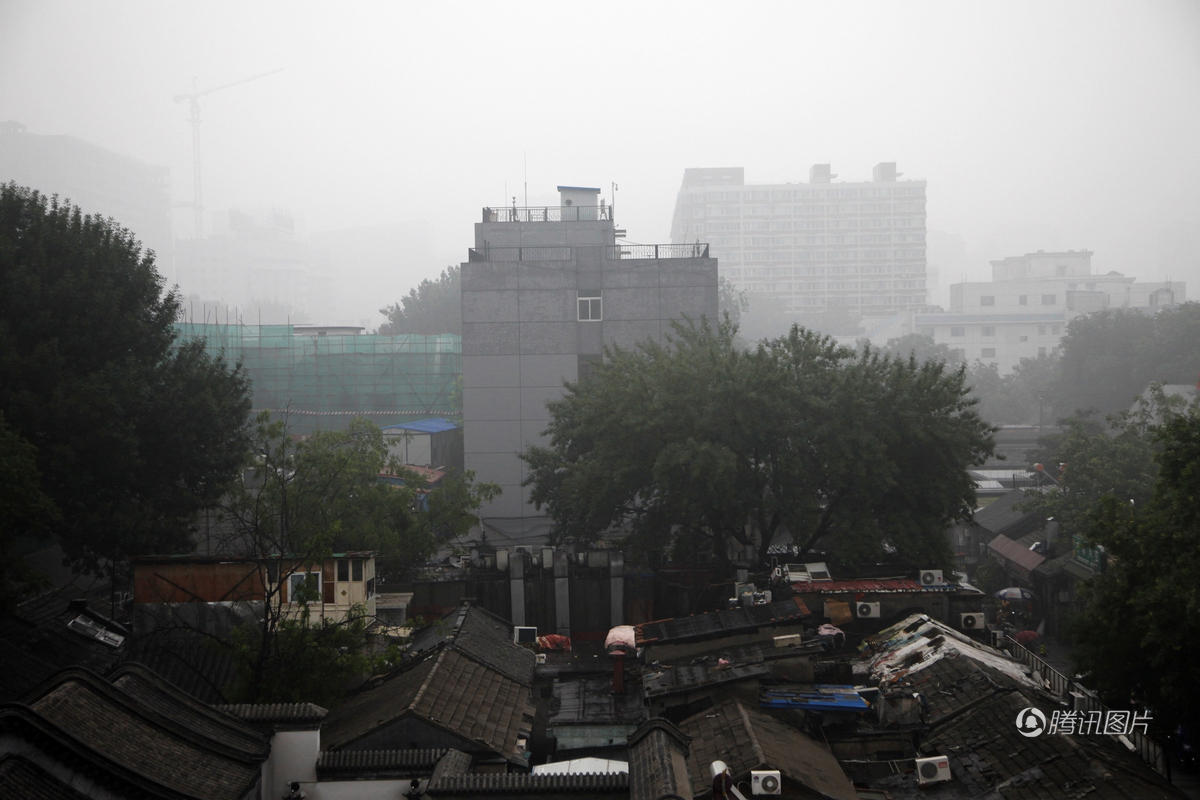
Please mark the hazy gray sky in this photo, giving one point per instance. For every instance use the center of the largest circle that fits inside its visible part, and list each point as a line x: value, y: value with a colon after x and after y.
x: 1038, y: 125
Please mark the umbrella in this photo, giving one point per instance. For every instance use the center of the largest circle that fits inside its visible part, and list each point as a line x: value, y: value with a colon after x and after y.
x: 1014, y: 593
x: 1025, y: 637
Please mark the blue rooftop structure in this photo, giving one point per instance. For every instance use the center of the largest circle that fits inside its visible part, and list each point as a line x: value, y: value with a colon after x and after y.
x: 427, y: 425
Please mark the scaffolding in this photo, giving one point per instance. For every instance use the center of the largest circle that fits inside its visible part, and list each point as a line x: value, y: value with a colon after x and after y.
x: 323, y: 381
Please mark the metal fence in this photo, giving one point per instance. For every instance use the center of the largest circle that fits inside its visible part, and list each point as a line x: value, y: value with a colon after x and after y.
x: 548, y: 214
x: 1085, y: 700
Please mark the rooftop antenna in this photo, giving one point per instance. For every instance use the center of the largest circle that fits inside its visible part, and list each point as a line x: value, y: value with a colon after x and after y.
x: 193, y: 100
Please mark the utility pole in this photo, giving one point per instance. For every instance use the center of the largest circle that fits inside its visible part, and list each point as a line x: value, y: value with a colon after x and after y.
x: 193, y: 100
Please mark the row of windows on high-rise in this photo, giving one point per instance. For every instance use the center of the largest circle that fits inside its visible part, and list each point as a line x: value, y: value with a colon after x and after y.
x: 1022, y: 300
x: 805, y: 210
x: 989, y: 331
x: 805, y: 193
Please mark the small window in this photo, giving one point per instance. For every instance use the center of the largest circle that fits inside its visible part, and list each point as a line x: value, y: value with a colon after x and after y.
x: 591, y: 309
x: 1041, y: 351
x: 343, y: 567
x: 1023, y: 300
x: 358, y: 568
x: 1056, y: 330
x: 989, y: 330
x: 987, y: 300
x: 957, y: 330
x: 1024, y: 338
x: 1049, y: 299
x: 304, y: 587
x: 989, y: 352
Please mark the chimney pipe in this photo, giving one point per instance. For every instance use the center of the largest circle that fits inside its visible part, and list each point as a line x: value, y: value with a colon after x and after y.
x: 618, y: 673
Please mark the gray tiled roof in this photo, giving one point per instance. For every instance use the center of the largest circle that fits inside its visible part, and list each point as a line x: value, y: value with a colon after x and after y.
x: 172, y: 704
x: 746, y: 739
x: 377, y: 762
x: 281, y: 713
x: 449, y: 689
x: 119, y: 735
x: 515, y: 784
x: 21, y: 778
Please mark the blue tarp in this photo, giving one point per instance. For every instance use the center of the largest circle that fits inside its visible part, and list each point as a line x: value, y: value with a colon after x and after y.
x: 427, y: 425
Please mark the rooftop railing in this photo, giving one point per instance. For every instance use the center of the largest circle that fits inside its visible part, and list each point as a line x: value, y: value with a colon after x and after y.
x: 609, y: 252
x: 548, y: 214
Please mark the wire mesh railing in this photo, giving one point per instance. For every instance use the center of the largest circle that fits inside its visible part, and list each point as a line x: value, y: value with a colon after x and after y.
x: 548, y: 214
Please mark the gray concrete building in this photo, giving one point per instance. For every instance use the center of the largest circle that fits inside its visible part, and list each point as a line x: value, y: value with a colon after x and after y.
x: 544, y: 290
x: 824, y: 246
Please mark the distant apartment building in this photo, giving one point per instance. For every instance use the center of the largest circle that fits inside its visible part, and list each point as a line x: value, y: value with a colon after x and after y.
x: 544, y: 290
x: 1024, y: 310
x: 99, y: 181
x: 821, y: 246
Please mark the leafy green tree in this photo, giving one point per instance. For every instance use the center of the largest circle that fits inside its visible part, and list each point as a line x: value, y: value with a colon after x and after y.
x: 133, y: 432
x: 698, y: 445
x: 923, y: 348
x: 432, y: 307
x: 1136, y: 636
x: 1110, y: 357
x: 26, y: 515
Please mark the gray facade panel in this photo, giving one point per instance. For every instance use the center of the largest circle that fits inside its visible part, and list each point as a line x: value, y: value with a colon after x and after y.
x: 548, y: 305
x: 549, y: 370
x: 548, y: 276
x: 629, y: 334
x: 491, y: 403
x: 533, y: 433
x: 489, y: 338
x: 490, y: 371
x: 496, y: 306
x: 590, y: 339
x: 483, y: 276
x: 547, y: 338
x: 692, y: 302
x: 631, y: 304
x: 495, y: 436
x: 533, y: 402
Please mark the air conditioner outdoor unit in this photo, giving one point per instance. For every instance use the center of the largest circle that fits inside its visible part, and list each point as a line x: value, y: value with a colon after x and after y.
x: 523, y: 635
x: 868, y: 610
x: 973, y: 622
x: 933, y: 770
x: 932, y: 577
x: 540, y: 658
x: 765, y: 781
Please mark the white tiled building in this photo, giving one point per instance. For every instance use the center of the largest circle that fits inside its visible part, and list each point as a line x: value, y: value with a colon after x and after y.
x: 818, y: 246
x: 1024, y: 310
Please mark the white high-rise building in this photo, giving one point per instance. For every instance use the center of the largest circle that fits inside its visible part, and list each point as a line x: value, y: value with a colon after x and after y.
x: 855, y: 247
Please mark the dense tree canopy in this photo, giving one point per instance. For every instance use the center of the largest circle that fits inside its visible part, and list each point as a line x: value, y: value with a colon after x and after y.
x: 1136, y: 638
x: 432, y: 307
x: 699, y: 445
x: 1110, y: 357
x: 131, y: 432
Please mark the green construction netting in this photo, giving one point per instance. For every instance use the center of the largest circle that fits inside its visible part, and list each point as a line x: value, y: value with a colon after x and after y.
x: 319, y: 379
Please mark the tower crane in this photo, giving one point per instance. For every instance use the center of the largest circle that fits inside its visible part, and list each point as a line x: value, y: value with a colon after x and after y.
x: 192, y: 98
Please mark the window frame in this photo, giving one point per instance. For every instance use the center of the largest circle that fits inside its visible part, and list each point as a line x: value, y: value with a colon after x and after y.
x: 595, y: 308
x: 303, y: 575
